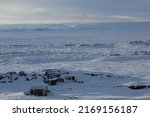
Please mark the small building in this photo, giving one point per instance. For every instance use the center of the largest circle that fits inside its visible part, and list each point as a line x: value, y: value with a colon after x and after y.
x: 52, y: 82
x: 39, y: 90
x: 71, y: 78
x: 60, y: 80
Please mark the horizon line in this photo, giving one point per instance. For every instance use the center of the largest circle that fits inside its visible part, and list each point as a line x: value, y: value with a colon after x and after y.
x: 75, y: 23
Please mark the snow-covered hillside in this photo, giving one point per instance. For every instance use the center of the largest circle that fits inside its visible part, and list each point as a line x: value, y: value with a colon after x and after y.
x: 86, y: 85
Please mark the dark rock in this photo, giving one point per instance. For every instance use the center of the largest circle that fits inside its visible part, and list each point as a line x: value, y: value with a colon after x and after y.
x: 70, y: 45
x: 108, y: 75
x: 27, y: 79
x: 114, y: 54
x: 80, y: 82
x: 2, y: 76
x: 22, y: 73
x: 92, y: 74
x: 137, y: 43
x: 147, y: 43
x: 141, y: 52
x: 16, y: 78
x: 137, y: 86
x: 85, y: 45
x: 57, y: 75
x: 3, y: 82
x: 9, y: 74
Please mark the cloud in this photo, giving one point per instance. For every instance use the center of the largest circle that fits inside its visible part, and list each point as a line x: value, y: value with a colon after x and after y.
x: 15, y: 9
x: 75, y: 11
x: 19, y: 13
x: 49, y: 21
x: 123, y: 18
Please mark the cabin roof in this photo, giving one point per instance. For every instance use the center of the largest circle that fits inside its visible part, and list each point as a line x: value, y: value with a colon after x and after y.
x: 38, y: 87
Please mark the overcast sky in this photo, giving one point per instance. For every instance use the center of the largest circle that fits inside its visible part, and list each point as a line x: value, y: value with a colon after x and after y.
x: 73, y: 11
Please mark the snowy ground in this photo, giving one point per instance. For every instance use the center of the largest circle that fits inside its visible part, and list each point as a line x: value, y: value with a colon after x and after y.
x: 88, y: 85
x: 121, y: 49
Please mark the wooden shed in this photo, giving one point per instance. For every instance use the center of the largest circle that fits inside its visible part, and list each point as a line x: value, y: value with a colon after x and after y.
x: 39, y: 90
x: 52, y: 82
